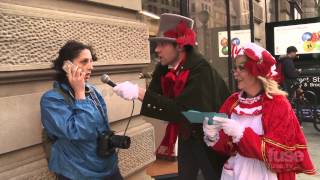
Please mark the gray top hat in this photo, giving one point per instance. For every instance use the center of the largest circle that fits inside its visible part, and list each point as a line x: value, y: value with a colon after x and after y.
x: 169, y: 21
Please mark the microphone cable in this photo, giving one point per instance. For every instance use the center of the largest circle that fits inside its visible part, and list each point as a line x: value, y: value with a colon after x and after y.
x: 131, y: 115
x: 106, y: 79
x: 127, y: 126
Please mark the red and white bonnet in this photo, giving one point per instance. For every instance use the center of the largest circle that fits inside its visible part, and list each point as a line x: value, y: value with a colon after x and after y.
x: 260, y: 63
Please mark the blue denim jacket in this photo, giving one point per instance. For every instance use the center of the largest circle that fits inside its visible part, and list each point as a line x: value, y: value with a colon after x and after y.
x: 76, y: 127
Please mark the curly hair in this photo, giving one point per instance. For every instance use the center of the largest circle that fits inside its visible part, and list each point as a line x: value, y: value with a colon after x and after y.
x: 69, y: 51
x: 271, y: 87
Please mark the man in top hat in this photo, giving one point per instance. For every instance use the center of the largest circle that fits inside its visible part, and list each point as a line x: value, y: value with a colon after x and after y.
x: 183, y: 80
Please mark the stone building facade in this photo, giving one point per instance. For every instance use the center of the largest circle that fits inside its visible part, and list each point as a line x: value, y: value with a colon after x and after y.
x: 31, y: 33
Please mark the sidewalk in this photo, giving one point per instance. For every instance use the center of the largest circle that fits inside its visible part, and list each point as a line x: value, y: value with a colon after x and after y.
x: 313, y: 138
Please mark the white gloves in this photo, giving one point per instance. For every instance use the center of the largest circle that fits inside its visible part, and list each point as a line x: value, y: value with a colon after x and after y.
x: 230, y: 127
x: 127, y: 90
x: 211, y: 133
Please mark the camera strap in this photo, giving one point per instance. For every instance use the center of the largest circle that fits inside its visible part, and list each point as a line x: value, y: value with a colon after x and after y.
x: 93, y: 96
x: 89, y: 92
x: 96, y: 101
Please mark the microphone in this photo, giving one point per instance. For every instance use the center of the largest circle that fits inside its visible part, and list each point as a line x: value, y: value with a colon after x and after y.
x: 106, y: 79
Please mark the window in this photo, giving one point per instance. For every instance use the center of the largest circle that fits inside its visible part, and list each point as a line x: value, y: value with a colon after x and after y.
x: 217, y: 15
x: 178, y: 3
x: 155, y: 10
x: 193, y: 7
x: 297, y: 15
x: 150, y: 8
x: 173, y: 3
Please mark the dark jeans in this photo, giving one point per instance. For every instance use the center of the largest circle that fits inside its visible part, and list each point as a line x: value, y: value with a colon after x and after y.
x: 115, y: 176
x: 195, y: 155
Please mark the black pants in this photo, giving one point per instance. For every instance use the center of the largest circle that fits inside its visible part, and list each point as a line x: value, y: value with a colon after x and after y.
x: 195, y: 155
x: 115, y: 176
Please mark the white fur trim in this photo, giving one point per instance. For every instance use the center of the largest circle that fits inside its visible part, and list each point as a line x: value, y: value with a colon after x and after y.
x: 241, y: 52
x: 240, y: 110
x: 257, y: 49
x: 248, y: 100
x: 273, y: 70
x: 237, y: 138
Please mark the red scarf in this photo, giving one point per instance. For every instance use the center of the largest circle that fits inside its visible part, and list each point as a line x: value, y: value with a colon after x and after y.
x: 172, y: 84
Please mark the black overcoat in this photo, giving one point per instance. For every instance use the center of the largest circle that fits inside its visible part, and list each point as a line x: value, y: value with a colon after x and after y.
x: 204, y: 91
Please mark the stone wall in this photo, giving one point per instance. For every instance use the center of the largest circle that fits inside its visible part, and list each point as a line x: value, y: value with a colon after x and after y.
x: 309, y: 9
x: 30, y: 37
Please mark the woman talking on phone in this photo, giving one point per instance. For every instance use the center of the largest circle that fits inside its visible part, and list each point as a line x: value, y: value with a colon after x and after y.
x: 74, y: 114
x: 262, y: 135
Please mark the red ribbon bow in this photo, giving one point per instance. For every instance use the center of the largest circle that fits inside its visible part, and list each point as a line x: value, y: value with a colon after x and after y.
x: 183, y: 35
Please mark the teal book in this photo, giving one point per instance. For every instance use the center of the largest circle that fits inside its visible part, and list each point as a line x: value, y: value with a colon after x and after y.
x: 198, y: 117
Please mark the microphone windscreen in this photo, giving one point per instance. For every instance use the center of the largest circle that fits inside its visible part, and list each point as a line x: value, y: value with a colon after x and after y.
x: 105, y: 78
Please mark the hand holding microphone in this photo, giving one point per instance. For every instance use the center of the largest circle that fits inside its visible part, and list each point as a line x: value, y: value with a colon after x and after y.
x: 125, y: 90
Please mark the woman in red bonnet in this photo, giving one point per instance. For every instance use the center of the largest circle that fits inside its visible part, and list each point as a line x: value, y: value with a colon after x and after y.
x: 261, y: 135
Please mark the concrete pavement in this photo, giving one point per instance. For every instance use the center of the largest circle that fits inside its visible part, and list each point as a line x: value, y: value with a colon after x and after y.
x: 313, y: 138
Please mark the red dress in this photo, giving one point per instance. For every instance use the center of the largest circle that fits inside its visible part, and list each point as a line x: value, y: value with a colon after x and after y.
x: 282, y: 146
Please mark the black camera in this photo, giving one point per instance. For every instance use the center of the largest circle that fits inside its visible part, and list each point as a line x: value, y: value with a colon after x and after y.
x: 108, y: 142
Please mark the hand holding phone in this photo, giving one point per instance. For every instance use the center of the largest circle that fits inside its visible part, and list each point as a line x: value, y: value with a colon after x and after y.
x: 67, y: 66
x: 76, y: 78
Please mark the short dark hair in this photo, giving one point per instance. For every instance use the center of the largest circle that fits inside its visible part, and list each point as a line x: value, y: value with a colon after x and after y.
x: 186, y: 48
x: 69, y: 51
x: 291, y: 49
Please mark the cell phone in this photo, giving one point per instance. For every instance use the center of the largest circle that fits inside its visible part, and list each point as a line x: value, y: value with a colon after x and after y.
x: 67, y: 65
